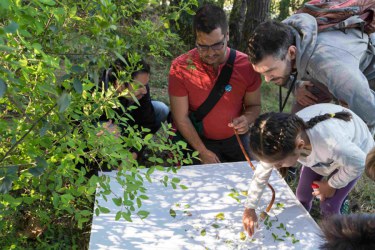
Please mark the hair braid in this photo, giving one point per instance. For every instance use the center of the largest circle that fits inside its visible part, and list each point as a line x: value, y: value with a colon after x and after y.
x: 343, y: 115
x: 273, y: 135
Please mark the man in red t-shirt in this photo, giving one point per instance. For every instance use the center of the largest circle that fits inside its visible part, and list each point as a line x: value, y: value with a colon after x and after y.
x: 193, y: 75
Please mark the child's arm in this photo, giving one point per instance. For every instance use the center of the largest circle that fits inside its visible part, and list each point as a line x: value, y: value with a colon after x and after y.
x: 254, y: 193
x: 258, y: 183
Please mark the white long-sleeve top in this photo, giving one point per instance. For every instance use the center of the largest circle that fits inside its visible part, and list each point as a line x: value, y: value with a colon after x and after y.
x: 336, y: 144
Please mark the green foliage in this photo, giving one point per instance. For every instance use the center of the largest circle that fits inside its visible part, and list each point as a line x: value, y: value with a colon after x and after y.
x: 281, y: 9
x: 52, y: 55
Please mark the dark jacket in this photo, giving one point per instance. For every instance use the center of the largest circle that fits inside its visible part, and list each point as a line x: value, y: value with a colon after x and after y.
x: 143, y: 115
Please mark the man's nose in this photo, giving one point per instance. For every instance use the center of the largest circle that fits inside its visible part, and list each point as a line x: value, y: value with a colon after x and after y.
x: 267, y: 78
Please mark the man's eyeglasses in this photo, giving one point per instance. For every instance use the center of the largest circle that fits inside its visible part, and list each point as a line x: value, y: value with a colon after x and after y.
x: 215, y: 46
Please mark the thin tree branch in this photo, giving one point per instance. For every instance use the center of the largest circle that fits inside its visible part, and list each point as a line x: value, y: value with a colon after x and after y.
x: 23, y: 137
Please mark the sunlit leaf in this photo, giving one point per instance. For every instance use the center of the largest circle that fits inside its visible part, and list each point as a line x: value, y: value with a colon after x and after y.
x: 120, y: 57
x: 48, y: 2
x: 220, y: 216
x: 242, y: 236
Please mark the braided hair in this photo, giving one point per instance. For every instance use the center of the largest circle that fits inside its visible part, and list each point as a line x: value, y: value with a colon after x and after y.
x: 273, y: 135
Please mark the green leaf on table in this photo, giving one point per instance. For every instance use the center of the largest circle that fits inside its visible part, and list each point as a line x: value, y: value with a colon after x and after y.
x: 139, y: 202
x: 175, y: 180
x: 143, y: 197
x: 279, y: 205
x: 104, y: 210
x: 294, y: 241
x: 118, y: 215
x: 220, y: 216
x: 127, y: 216
x: 172, y: 213
x: 143, y: 214
x: 244, y: 193
x: 117, y: 201
x: 242, y: 236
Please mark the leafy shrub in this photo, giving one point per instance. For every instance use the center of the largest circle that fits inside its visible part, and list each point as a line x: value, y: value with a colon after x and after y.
x: 52, y: 54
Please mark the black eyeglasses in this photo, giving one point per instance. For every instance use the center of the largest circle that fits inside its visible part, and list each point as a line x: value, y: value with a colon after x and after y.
x: 215, y: 46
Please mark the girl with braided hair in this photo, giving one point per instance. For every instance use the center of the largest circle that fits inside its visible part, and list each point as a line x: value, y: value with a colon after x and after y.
x: 330, y: 142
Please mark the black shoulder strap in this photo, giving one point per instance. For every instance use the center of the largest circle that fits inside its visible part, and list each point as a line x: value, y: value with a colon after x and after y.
x: 218, y: 90
x: 281, y: 104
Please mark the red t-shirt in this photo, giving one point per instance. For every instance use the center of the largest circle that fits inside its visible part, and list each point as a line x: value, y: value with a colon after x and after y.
x: 189, y: 76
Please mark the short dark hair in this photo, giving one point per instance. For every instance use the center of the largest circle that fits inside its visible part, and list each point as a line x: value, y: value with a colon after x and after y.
x: 270, y: 38
x: 208, y: 18
x: 118, y: 65
x: 354, y: 231
x: 141, y: 66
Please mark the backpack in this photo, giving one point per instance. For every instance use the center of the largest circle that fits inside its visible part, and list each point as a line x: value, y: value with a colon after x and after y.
x: 342, y: 14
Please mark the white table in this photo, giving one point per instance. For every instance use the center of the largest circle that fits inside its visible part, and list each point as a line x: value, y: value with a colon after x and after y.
x: 195, y: 225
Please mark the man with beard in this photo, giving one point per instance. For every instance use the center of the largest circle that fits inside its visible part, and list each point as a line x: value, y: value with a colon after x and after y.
x: 341, y: 62
x: 192, y: 77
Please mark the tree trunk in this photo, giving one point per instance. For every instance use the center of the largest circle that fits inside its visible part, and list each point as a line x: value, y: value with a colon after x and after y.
x: 236, y: 21
x: 257, y: 12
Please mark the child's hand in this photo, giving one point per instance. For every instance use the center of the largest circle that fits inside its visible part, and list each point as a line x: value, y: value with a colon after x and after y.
x: 325, y: 190
x: 249, y: 221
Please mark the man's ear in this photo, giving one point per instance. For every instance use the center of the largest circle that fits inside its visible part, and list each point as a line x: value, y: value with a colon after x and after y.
x: 227, y: 36
x: 292, y: 51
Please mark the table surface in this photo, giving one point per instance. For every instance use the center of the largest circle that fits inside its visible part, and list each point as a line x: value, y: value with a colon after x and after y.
x: 208, y: 215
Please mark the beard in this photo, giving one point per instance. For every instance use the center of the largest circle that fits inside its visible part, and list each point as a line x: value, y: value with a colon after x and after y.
x: 282, y: 80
